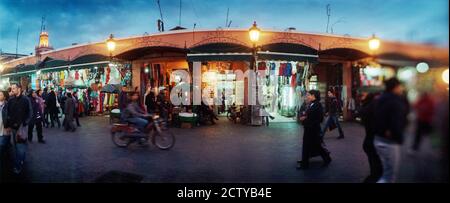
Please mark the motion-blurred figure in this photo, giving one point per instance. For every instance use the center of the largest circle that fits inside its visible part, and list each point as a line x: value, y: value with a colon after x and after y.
x: 424, y: 108
x: 390, y: 123
x: 367, y: 114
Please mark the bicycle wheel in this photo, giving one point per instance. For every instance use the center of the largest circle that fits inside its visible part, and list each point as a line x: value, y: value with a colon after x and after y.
x: 163, y: 140
x: 120, y: 139
x: 229, y: 116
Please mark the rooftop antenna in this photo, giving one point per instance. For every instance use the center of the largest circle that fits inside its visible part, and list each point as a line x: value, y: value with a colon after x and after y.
x: 328, y: 14
x: 17, y: 42
x: 338, y: 21
x: 42, y: 23
x: 226, y: 22
x: 42, y: 26
x: 161, y: 22
x: 179, y: 17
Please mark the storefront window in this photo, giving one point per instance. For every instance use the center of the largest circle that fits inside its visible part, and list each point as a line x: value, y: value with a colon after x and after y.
x: 313, y: 83
x: 375, y: 75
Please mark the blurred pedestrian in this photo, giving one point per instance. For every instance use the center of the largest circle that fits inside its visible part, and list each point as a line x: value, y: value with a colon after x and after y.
x: 332, y: 110
x: 19, y: 115
x: 367, y: 114
x: 36, y: 119
x: 5, y: 135
x: 150, y: 101
x: 44, y: 95
x: 53, y: 108
x: 10, y: 93
x: 163, y: 105
x: 76, y: 113
x: 69, y: 109
x: 390, y: 123
x: 123, y: 99
x: 424, y: 108
x: 62, y: 100
x: 312, y: 142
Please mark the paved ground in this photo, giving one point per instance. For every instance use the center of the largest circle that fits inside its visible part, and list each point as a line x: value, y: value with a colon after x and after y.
x: 224, y: 152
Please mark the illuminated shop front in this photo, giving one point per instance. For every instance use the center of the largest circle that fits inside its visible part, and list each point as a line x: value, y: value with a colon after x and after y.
x: 287, y: 75
x: 284, y: 85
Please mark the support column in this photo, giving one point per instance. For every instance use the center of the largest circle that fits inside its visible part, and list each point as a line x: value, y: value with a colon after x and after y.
x: 347, y: 84
x: 136, y: 75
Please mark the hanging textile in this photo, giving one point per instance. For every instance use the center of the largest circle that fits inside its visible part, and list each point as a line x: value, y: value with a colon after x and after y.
x: 288, y: 70
x: 281, y: 69
x: 294, y: 69
x: 101, y: 98
x: 272, y: 68
x: 77, y: 75
x: 294, y: 80
x: 262, y: 66
x: 108, y: 75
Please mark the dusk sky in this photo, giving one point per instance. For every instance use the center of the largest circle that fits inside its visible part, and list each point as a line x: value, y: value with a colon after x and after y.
x: 83, y: 21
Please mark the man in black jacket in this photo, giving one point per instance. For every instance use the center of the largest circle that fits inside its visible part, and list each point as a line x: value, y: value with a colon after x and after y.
x: 332, y: 108
x: 390, y: 122
x: 20, y: 113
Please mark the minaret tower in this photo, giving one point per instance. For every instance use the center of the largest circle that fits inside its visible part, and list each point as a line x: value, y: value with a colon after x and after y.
x: 43, y: 45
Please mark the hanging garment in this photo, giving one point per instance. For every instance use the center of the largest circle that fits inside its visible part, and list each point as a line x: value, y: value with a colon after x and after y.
x: 77, y: 75
x: 351, y: 104
x: 108, y: 75
x: 288, y: 70
x: 294, y: 68
x: 272, y: 68
x: 262, y: 66
x: 344, y: 94
x: 267, y: 71
x: 305, y: 71
x: 102, y: 98
x: 281, y: 69
x: 294, y: 80
x: 298, y: 79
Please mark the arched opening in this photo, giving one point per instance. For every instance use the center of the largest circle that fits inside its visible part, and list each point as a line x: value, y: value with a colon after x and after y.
x: 152, y: 66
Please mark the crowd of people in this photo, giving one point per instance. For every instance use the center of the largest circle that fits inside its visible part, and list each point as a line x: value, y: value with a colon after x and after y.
x: 23, y: 112
x: 384, y: 116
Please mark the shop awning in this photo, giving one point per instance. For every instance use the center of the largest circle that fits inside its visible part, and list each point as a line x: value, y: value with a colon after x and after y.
x: 396, y: 60
x: 288, y: 52
x: 220, y: 48
x: 91, y: 65
x: 54, y: 66
x: 278, y: 56
x: 89, y: 59
x: 219, y: 57
x: 237, y: 52
x: 19, y: 70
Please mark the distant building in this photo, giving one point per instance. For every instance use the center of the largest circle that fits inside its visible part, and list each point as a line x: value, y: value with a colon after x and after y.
x: 5, y: 57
